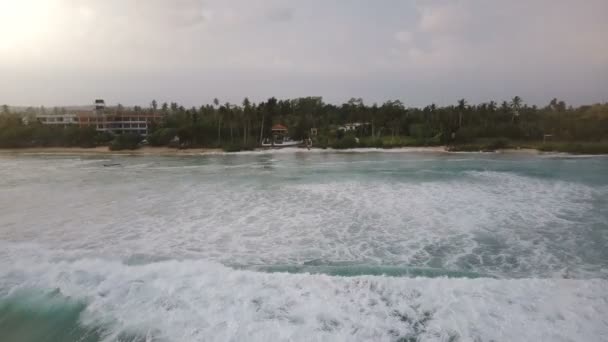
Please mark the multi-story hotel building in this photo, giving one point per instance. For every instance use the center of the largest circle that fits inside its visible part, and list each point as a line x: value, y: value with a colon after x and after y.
x: 105, y: 120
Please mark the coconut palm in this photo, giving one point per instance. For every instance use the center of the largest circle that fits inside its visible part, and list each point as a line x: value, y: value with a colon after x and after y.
x: 515, y: 107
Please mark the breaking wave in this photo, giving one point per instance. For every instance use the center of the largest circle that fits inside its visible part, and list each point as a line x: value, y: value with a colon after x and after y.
x: 101, y: 300
x: 304, y: 246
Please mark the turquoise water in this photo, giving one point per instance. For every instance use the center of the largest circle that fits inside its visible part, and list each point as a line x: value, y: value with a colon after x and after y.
x: 300, y: 246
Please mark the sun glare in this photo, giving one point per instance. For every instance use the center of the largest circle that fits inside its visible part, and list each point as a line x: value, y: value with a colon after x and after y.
x: 24, y: 23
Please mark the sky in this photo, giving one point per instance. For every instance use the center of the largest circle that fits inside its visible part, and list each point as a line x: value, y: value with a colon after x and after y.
x: 69, y: 52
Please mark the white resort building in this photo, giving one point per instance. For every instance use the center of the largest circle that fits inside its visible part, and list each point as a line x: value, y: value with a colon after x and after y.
x: 105, y: 120
x: 57, y: 119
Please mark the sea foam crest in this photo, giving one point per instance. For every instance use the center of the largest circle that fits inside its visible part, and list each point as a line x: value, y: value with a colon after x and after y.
x: 202, y: 301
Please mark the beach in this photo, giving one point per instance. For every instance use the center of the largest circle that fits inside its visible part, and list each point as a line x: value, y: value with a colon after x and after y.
x: 168, y: 151
x: 101, y: 150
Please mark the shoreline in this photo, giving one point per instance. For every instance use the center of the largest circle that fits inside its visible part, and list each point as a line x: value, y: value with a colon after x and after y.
x: 167, y: 151
x: 104, y: 150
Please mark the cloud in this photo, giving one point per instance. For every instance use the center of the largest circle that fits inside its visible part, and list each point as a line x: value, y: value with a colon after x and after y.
x: 493, y: 48
x: 280, y: 14
x: 404, y: 37
x: 444, y: 19
x: 508, y: 36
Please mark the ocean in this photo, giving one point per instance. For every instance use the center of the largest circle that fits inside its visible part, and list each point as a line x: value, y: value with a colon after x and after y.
x: 304, y: 246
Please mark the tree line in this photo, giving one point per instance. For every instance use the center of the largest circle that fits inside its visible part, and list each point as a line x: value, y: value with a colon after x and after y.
x: 392, y: 123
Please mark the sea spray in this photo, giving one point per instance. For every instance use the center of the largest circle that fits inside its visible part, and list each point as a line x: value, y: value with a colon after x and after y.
x: 380, y: 246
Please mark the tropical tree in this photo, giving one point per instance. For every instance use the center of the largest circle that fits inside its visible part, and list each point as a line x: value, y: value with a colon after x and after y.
x: 218, y: 114
x: 515, y: 107
x: 462, y: 106
x: 246, y: 113
x: 492, y: 106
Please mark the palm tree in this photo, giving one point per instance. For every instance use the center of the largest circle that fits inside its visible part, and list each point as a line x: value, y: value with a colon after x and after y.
x: 261, y: 109
x: 462, y: 106
x: 515, y: 107
x: 245, y: 116
x: 230, y: 119
x: 492, y: 106
x: 218, y: 112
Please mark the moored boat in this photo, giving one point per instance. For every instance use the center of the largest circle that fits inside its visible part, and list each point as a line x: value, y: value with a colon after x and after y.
x: 280, y: 138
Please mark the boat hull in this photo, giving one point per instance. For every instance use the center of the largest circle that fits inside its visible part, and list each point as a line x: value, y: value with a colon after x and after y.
x: 288, y: 144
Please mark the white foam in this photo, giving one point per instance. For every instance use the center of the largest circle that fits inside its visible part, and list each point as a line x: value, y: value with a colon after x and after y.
x: 291, y: 150
x: 497, y: 223
x: 98, y: 234
x: 203, y: 301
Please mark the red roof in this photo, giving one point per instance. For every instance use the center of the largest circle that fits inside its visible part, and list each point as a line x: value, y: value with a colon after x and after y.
x: 279, y: 127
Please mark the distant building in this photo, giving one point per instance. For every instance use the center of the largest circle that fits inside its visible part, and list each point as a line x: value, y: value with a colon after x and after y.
x: 57, y: 119
x: 279, y: 138
x: 130, y: 122
x: 352, y: 126
x: 278, y: 129
x: 104, y: 120
x: 100, y: 106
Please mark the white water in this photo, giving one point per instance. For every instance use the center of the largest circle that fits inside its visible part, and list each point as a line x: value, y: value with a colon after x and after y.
x: 150, y: 246
x: 200, y: 301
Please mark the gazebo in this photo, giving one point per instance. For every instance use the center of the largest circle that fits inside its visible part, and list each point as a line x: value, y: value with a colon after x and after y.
x: 278, y: 129
x: 279, y: 138
x: 279, y: 133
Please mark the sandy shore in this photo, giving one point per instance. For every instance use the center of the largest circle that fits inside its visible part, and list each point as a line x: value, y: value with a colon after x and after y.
x: 105, y: 150
x: 148, y: 150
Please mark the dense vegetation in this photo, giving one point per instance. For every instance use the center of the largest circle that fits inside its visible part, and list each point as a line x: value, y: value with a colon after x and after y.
x: 486, y: 126
x: 14, y: 133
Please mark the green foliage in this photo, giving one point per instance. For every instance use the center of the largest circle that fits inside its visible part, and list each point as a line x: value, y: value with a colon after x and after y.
x: 466, y: 134
x: 81, y: 137
x: 497, y: 144
x: 488, y: 146
x: 162, y: 137
x: 434, y: 141
x: 371, y: 142
x: 420, y: 131
x: 576, y: 148
x: 239, y: 146
x: 390, y: 124
x: 398, y: 141
x: 348, y: 141
x: 125, y: 141
x: 14, y: 133
x: 103, y: 138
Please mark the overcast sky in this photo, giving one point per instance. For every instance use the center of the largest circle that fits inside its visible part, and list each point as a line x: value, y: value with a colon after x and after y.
x: 65, y: 52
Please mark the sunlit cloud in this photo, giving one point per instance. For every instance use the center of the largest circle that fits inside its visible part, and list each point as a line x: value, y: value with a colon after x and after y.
x: 379, y: 50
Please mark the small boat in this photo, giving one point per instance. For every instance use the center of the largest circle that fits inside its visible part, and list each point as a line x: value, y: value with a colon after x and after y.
x: 281, y: 139
x: 111, y: 164
x: 279, y: 143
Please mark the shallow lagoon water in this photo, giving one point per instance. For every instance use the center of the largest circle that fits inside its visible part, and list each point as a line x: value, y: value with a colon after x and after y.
x: 305, y: 246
